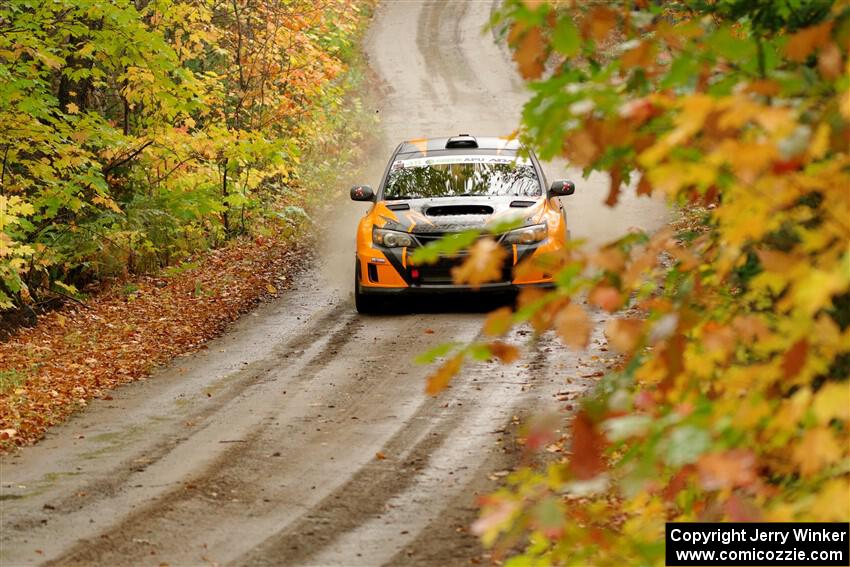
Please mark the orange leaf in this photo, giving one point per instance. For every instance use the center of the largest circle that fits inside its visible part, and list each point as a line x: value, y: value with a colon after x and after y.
x: 639, y: 56
x: 727, y: 470
x: 587, y: 444
x: 438, y: 381
x: 498, y: 322
x: 614, y: 190
x: 795, y: 358
x: 573, y: 326
x: 807, y: 40
x: 530, y: 52
x: 599, y: 23
x: 764, y: 87
x: 718, y: 338
x: 504, y: 352
x: 610, y: 259
x: 775, y: 261
x: 687, y: 260
x: 484, y: 264
x: 829, y: 62
x: 605, y: 296
x: 624, y: 334
x: 644, y: 187
x: 542, y: 317
x: 581, y: 149
x: 750, y: 328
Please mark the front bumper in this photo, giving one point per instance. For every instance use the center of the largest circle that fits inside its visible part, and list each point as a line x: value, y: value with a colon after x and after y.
x: 489, y: 288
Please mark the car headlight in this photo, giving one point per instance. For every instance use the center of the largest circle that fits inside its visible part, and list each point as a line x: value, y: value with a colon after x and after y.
x: 526, y: 234
x: 391, y: 238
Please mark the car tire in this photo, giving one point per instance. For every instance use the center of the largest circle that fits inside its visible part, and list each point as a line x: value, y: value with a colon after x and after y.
x: 366, y: 304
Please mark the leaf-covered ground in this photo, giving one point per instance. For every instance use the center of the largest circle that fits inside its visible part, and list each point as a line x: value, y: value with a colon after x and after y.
x: 79, y: 352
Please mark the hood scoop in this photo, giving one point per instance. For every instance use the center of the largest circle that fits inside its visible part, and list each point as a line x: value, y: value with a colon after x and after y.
x: 451, y: 210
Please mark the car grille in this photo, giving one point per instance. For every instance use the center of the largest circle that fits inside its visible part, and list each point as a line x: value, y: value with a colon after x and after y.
x: 440, y: 272
x: 426, y: 238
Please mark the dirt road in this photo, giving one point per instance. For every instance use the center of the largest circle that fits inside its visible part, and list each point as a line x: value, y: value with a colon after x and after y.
x: 262, y: 449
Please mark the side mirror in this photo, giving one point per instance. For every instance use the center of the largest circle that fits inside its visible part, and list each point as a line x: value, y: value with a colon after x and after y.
x: 362, y: 193
x: 561, y: 188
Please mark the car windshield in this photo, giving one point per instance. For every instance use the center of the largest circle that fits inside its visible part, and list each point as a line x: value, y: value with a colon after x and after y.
x: 461, y: 176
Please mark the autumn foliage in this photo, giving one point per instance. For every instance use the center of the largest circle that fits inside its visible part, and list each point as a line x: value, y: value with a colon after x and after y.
x: 157, y: 162
x: 732, y: 401
x: 135, y: 133
x: 83, y: 351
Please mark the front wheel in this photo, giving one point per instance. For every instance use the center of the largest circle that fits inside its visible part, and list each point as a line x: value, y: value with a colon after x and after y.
x: 364, y: 303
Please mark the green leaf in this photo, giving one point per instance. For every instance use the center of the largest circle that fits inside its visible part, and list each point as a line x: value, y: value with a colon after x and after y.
x: 685, y: 445
x: 437, y: 352
x: 446, y: 246
x: 566, y: 38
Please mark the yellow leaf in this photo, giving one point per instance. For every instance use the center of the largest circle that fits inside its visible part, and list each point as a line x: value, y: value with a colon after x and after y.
x: 498, y: 322
x: 820, y: 142
x: 484, y: 264
x: 106, y: 202
x: 815, y: 290
x: 832, y: 402
x: 831, y: 502
x: 694, y: 110
x: 271, y: 289
x: 816, y: 450
x: 72, y: 108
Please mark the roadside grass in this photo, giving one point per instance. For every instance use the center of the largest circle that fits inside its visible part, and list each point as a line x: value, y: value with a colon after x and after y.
x: 11, y: 379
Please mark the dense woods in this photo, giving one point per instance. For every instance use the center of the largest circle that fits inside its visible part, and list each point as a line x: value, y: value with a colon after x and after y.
x: 134, y: 133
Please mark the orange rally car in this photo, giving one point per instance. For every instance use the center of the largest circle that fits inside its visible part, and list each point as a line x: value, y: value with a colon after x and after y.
x: 434, y: 187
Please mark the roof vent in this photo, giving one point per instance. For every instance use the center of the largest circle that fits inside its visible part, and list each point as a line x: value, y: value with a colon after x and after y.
x: 461, y: 141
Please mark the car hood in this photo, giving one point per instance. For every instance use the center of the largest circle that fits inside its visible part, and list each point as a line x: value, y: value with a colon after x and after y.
x: 455, y: 214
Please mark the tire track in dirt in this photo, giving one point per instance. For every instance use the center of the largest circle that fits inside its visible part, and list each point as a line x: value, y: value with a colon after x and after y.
x: 109, y: 486
x: 367, y: 520
x: 243, y: 486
